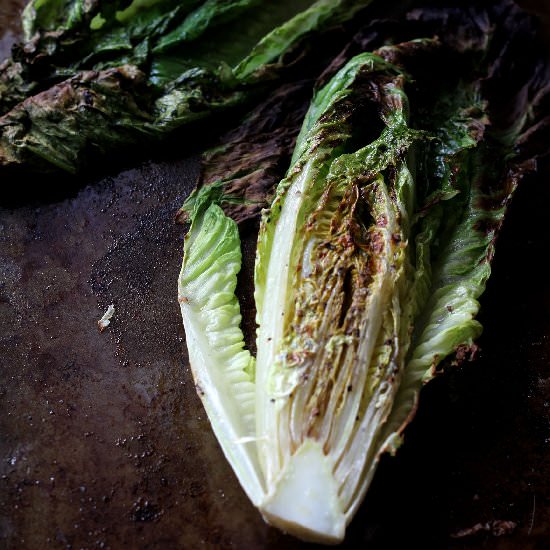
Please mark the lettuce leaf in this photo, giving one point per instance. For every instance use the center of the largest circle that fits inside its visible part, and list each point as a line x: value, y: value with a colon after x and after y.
x: 223, y: 370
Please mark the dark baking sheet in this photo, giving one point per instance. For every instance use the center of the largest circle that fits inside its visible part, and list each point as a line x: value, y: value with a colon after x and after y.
x: 104, y: 443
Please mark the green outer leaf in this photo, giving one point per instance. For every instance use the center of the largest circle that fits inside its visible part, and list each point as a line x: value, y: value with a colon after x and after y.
x: 223, y: 370
x: 56, y: 15
x: 207, y: 16
x: 450, y: 275
x: 137, y: 7
x: 281, y: 39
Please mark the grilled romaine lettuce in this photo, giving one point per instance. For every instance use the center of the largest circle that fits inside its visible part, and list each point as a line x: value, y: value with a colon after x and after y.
x: 186, y: 60
x: 369, y: 265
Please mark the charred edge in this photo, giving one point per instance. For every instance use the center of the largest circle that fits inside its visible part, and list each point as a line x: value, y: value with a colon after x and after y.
x: 488, y: 226
x: 498, y: 198
x: 253, y: 157
x: 347, y: 295
x: 465, y: 353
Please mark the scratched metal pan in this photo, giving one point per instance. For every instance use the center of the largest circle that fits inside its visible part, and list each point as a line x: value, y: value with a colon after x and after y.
x: 104, y: 443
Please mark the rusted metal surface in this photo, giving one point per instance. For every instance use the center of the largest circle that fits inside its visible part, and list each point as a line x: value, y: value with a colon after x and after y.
x: 104, y: 443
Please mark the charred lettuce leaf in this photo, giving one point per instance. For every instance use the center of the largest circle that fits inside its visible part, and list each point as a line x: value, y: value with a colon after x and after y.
x: 251, y: 159
x: 195, y: 58
x: 370, y: 259
x: 90, y: 110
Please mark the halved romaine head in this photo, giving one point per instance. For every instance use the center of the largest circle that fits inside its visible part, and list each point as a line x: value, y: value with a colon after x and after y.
x: 369, y: 265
